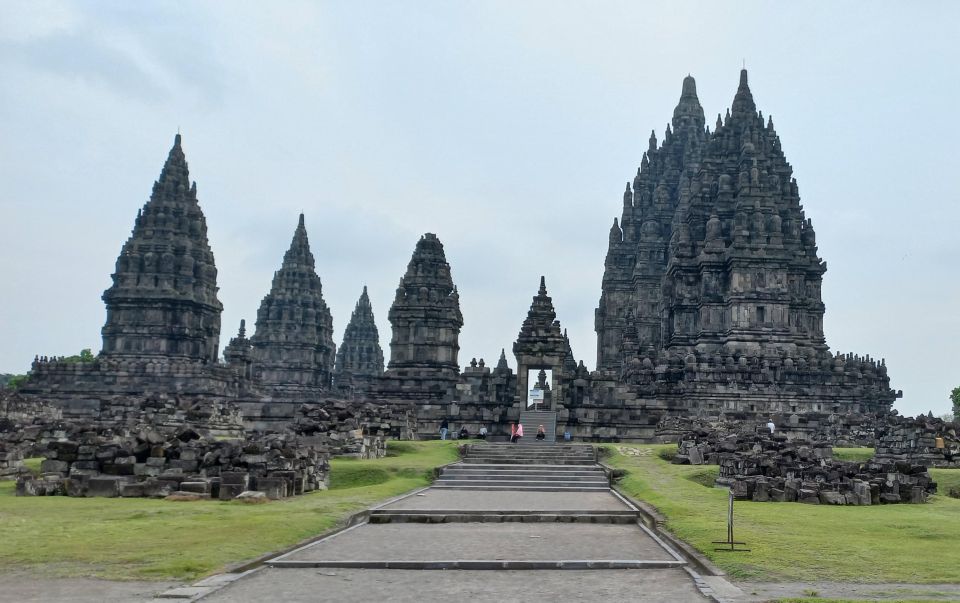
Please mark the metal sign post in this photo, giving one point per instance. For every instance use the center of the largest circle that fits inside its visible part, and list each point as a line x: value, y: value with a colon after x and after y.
x: 730, y: 542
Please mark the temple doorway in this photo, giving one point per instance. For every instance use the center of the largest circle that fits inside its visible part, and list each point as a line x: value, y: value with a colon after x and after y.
x: 540, y: 390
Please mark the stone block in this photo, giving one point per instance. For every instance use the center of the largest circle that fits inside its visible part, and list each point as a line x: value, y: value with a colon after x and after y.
x: 231, y: 491
x: 829, y: 497
x: 274, y: 487
x: 54, y: 466
x: 807, y: 496
x: 137, y: 490
x: 114, y: 469
x: 103, y: 486
x: 234, y: 478
x: 196, y: 487
x: 158, y: 488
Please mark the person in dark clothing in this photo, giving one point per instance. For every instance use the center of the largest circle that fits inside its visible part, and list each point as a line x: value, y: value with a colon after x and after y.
x: 464, y: 434
x: 541, y: 433
x: 444, y: 428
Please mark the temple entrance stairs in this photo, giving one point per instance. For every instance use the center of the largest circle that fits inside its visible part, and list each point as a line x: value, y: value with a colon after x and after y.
x: 532, y: 466
x: 532, y: 419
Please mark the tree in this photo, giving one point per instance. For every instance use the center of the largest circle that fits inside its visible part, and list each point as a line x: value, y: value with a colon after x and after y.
x: 955, y: 398
x: 85, y: 355
x: 12, y: 381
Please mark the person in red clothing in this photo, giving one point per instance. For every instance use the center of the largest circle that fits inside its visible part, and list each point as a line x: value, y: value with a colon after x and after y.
x: 517, y: 434
x: 513, y: 431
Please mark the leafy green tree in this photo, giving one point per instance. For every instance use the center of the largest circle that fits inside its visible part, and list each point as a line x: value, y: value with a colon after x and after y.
x: 14, y: 381
x: 955, y: 398
x: 85, y: 355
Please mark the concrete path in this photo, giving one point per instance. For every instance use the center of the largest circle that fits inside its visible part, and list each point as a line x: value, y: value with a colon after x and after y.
x: 403, y: 586
x: 495, y: 543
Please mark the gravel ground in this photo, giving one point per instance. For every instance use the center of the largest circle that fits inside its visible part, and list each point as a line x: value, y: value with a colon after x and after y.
x: 24, y: 586
x: 486, y: 541
x: 405, y: 586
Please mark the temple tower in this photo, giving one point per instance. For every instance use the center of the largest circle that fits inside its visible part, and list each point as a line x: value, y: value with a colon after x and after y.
x: 360, y: 358
x: 638, y: 248
x: 540, y: 345
x: 293, y: 349
x: 713, y: 279
x: 163, y: 301
x: 425, y: 316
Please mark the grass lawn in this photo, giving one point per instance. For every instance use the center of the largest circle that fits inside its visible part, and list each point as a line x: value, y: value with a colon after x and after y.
x: 131, y: 538
x: 796, y: 542
x: 853, y: 454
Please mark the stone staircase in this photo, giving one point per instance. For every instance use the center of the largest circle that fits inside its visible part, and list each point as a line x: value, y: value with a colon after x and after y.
x: 532, y: 419
x: 532, y: 466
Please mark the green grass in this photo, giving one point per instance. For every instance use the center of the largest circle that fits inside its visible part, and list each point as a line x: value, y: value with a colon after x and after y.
x: 796, y: 542
x: 157, y: 539
x: 946, y: 479
x: 853, y: 454
x: 33, y: 464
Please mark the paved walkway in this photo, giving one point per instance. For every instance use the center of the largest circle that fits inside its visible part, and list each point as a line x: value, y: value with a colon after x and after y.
x: 511, y: 534
x: 409, y: 586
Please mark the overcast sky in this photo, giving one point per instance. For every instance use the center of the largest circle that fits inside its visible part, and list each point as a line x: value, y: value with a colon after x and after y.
x: 507, y: 128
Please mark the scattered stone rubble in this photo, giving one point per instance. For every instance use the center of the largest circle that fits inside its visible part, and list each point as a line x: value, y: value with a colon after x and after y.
x: 166, y: 447
x: 149, y: 463
x: 764, y: 467
x: 926, y: 441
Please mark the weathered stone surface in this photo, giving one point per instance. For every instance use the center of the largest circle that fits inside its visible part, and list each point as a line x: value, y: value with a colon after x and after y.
x: 360, y: 358
x: 712, y: 278
x: 293, y: 350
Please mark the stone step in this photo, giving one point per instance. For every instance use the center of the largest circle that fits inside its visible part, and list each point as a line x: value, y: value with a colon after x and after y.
x: 523, y: 480
x: 521, y: 477
x: 518, y: 488
x: 451, y: 516
x: 522, y: 467
x: 524, y: 472
x: 577, y: 564
x: 523, y: 484
x: 523, y: 461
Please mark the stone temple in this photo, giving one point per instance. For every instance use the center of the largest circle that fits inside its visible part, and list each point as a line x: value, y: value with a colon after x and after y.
x: 710, y: 307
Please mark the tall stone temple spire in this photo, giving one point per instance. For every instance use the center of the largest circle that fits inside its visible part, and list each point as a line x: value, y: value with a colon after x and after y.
x: 425, y: 316
x: 714, y: 264
x: 360, y: 358
x: 293, y: 347
x: 163, y: 301
x: 638, y: 250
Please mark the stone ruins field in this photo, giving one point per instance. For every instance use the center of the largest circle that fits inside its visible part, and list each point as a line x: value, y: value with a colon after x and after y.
x: 160, y: 540
x: 800, y: 543
x: 134, y: 538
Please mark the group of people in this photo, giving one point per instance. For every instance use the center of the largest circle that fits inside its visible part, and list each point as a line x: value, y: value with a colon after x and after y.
x: 463, y: 434
x: 516, y: 432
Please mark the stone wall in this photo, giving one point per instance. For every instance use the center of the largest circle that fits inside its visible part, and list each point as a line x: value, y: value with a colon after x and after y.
x: 926, y: 441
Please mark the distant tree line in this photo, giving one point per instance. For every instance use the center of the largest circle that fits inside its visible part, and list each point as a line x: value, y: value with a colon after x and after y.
x: 14, y: 381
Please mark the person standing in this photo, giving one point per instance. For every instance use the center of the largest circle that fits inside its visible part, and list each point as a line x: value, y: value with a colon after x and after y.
x: 771, y: 426
x: 444, y: 428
